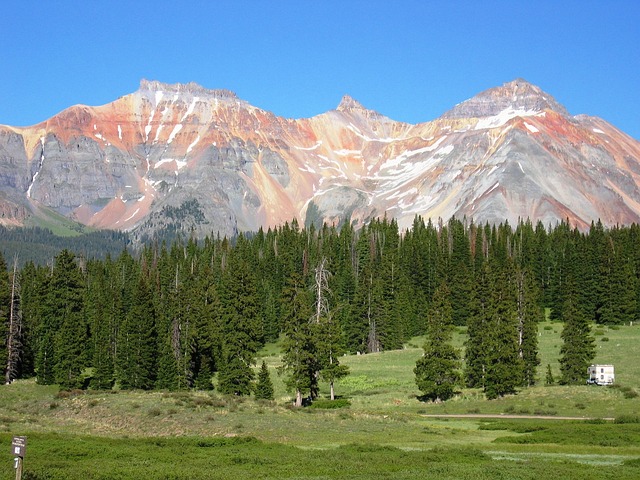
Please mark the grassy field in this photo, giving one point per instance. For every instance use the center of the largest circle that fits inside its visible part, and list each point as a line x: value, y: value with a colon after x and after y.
x: 385, y: 432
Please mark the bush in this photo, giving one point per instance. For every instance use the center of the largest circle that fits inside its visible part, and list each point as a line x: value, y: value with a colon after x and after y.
x: 69, y: 393
x: 545, y: 413
x: 596, y: 421
x: 627, y: 419
x: 627, y: 392
x: 604, y: 339
x: 330, y: 404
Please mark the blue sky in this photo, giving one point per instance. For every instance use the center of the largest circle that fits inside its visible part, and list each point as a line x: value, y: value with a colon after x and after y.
x: 410, y: 60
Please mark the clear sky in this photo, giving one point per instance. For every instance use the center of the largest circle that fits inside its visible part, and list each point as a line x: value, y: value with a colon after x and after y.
x: 409, y: 60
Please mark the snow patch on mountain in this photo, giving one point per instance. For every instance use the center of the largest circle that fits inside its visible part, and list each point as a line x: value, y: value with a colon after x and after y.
x: 193, y: 144
x: 357, y: 131
x: 174, y: 132
x: 316, y: 146
x: 190, y: 109
x: 503, y: 117
x: 395, y: 161
x: 155, y: 140
x: 345, y: 153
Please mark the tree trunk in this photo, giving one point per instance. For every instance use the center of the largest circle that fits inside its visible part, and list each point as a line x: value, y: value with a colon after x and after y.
x: 14, y: 340
x: 333, y: 395
x: 298, y: 402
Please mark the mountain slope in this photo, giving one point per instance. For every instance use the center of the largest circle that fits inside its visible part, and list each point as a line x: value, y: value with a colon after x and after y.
x: 181, y: 157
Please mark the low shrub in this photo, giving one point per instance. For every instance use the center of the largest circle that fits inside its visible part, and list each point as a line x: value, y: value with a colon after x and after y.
x: 330, y: 404
x: 596, y: 421
x: 545, y: 413
x: 627, y: 419
x: 69, y: 393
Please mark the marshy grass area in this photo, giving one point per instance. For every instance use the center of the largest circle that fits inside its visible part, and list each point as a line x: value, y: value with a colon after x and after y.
x: 381, y: 430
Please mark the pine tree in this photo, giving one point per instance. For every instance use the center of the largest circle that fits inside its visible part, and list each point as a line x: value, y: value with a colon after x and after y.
x: 528, y: 315
x: 264, y: 386
x: 137, y: 341
x: 15, y: 336
x: 70, y: 338
x: 208, y: 340
x: 619, y: 287
x: 548, y: 379
x: 98, y: 315
x: 5, y: 301
x: 299, y: 359
x: 459, y: 270
x: 30, y: 280
x: 241, y: 323
x: 437, y: 374
x: 328, y: 338
x: 578, y: 348
x: 504, y: 365
x: 478, y: 330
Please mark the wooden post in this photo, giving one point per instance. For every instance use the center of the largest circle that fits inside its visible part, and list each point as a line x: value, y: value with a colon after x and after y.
x: 18, y: 468
x: 18, y: 448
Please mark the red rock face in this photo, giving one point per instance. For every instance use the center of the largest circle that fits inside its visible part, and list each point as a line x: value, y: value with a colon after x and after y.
x: 210, y: 162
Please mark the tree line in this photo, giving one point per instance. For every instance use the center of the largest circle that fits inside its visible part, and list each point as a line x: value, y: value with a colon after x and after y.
x: 177, y: 316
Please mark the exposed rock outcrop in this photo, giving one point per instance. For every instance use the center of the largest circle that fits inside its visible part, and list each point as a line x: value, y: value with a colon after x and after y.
x: 180, y: 157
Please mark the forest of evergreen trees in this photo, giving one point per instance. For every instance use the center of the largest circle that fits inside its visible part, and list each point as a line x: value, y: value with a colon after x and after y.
x: 40, y: 245
x: 176, y: 316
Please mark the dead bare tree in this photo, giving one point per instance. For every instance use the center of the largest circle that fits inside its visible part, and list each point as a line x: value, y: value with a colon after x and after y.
x: 322, y: 291
x: 14, y: 337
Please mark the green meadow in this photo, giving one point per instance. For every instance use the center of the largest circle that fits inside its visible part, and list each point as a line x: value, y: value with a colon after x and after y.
x: 380, y: 430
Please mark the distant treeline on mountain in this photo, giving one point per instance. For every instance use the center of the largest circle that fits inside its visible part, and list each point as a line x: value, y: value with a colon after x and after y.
x: 40, y: 245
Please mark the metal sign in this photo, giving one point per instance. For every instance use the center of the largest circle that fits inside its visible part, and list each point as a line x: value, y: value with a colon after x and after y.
x: 19, y: 446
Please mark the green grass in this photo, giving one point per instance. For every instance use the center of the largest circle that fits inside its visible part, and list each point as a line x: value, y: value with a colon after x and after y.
x: 381, y: 429
x: 55, y: 456
x: 57, y: 223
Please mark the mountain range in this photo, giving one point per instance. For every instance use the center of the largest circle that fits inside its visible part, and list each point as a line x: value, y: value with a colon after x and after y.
x: 182, y: 157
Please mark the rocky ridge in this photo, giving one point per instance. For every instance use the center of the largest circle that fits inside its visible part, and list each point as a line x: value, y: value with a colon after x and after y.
x: 185, y: 158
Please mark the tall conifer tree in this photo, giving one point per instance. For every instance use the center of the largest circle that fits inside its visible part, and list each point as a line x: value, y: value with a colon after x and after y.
x: 504, y: 365
x: 437, y: 374
x: 241, y: 323
x: 578, y: 348
x: 299, y: 359
x: 528, y: 314
x: 70, y: 337
x: 137, y: 341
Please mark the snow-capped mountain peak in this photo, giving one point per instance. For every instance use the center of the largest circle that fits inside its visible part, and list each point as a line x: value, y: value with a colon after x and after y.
x: 181, y: 156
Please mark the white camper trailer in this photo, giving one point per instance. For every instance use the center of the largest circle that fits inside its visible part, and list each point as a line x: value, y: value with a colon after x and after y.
x: 601, y: 375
